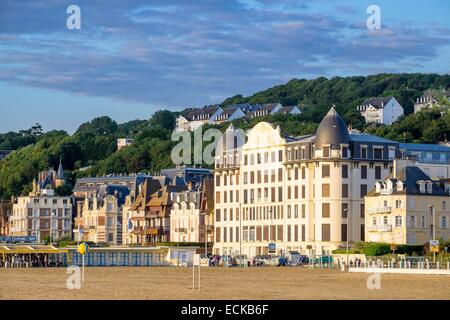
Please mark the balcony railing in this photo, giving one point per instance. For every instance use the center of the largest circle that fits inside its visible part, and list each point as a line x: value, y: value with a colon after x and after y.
x: 380, y: 228
x: 379, y: 210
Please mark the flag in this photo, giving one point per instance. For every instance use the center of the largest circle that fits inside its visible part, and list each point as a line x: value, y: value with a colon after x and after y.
x: 83, y: 248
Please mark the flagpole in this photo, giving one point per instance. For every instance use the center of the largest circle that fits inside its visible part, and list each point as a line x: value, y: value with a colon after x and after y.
x: 82, y: 278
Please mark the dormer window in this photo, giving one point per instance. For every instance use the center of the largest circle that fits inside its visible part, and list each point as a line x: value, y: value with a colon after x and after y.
x: 364, y: 152
x: 326, y: 152
x: 344, y: 152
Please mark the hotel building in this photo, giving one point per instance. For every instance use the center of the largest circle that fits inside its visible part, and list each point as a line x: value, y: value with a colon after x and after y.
x: 304, y: 194
x: 99, y: 218
x: 42, y: 214
x: 408, y: 208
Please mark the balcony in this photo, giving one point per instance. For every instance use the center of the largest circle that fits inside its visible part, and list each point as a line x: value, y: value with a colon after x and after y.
x: 153, y: 231
x: 137, y: 230
x: 376, y: 210
x: 380, y: 228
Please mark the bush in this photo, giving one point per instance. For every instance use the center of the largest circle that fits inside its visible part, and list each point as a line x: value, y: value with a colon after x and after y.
x: 344, y: 251
x: 372, y: 249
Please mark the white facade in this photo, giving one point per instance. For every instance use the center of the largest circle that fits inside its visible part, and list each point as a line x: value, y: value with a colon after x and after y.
x: 387, y: 113
x: 125, y: 142
x: 41, y: 216
x: 306, y: 205
x: 186, y: 221
x: 197, y: 119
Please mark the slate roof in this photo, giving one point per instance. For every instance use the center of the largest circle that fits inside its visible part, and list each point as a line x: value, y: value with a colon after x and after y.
x: 365, y: 137
x: 378, y: 102
x: 332, y: 131
x: 424, y: 147
x: 209, y: 111
x: 287, y: 109
x: 411, y: 176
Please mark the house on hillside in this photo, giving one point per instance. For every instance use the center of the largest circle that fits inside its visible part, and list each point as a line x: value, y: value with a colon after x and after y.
x: 385, y: 110
x: 428, y: 100
x: 230, y: 113
x: 192, y: 119
x: 290, y: 110
x: 265, y: 110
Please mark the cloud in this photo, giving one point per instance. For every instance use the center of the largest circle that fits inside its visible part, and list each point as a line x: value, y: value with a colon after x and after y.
x: 179, y: 53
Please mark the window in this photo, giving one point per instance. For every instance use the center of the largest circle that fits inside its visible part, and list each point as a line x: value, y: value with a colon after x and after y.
x: 217, y: 181
x: 443, y: 222
x: 280, y: 155
x: 344, y: 152
x: 344, y: 210
x: 362, y: 209
x: 344, y: 232
x: 363, y: 172
x: 378, y: 153
x: 325, y: 210
x: 345, y: 171
x: 303, y: 191
x: 422, y: 222
x: 364, y: 152
x: 325, y: 190
x: 374, y: 221
x: 385, y: 220
x: 344, y: 190
x: 217, y: 215
x: 325, y: 232
x: 303, y: 210
x: 217, y: 196
x: 325, y: 171
x: 377, y: 172
x: 280, y: 174
x: 398, y: 204
x: 326, y: 152
x: 363, y: 190
x: 412, y: 221
x: 363, y: 231
x: 303, y: 232
x: 398, y: 221
x: 303, y: 172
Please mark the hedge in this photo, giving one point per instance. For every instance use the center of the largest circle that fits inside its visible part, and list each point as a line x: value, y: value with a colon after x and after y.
x: 372, y: 249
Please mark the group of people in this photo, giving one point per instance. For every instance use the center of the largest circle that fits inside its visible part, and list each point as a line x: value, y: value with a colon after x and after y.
x: 357, y: 263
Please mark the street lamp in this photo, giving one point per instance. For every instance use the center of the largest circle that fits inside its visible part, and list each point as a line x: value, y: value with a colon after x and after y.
x: 348, y: 224
x: 204, y: 214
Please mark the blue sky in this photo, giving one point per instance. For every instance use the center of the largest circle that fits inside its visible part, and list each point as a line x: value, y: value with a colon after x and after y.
x: 131, y: 58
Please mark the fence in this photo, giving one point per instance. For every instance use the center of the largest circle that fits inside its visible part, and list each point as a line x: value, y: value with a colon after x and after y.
x: 407, y: 265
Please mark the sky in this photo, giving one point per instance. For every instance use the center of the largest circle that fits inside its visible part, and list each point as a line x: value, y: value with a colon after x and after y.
x: 132, y: 58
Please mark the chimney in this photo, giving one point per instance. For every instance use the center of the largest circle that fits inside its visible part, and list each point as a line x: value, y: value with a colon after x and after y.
x: 377, y: 187
x: 421, y: 186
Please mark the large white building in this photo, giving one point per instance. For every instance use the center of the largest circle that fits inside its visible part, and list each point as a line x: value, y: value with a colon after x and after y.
x: 384, y: 110
x: 304, y: 194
